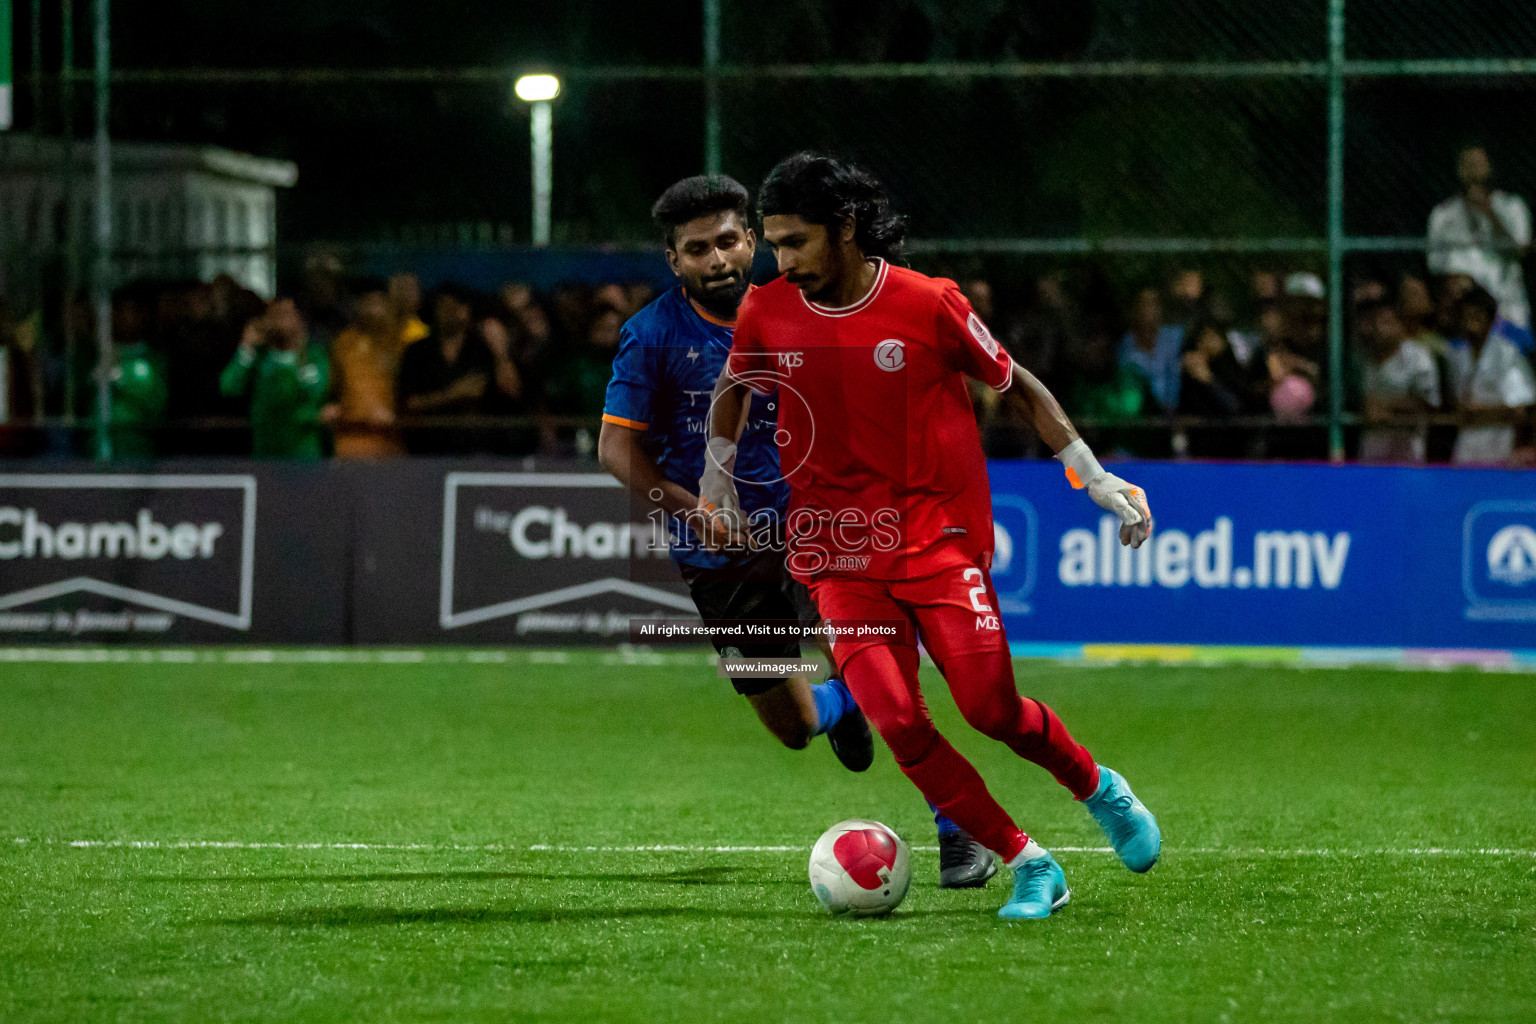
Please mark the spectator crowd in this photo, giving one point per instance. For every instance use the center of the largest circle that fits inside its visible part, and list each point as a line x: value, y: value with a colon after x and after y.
x: 355, y: 368
x: 1436, y: 366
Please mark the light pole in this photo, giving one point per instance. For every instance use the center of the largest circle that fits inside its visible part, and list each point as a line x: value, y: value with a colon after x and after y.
x: 537, y: 91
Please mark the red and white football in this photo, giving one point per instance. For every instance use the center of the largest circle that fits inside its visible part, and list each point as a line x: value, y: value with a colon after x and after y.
x: 860, y: 868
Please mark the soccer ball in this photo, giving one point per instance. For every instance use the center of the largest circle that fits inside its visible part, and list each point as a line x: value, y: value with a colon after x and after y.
x: 860, y: 868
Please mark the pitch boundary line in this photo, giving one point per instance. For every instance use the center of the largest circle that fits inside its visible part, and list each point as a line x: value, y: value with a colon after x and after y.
x: 219, y: 844
x: 1066, y: 656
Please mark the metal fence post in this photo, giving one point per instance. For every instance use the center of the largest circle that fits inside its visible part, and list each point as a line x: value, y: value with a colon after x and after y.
x: 101, y: 283
x: 71, y: 212
x: 711, y: 86
x: 1336, y: 230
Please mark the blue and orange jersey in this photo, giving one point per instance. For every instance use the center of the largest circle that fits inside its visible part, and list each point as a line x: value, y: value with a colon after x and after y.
x: 670, y: 355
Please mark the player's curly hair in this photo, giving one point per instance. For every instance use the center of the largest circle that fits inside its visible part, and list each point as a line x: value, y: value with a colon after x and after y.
x: 698, y: 196
x: 823, y: 190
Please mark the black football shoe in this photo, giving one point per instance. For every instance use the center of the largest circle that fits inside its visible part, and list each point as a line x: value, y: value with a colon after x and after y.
x: 963, y: 862
x: 851, y: 741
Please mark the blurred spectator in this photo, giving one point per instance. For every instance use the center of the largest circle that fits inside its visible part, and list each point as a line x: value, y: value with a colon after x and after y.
x: 612, y: 296
x: 572, y: 308
x: 405, y: 301
x: 211, y: 318
x: 1448, y: 291
x: 508, y: 395
x: 578, y: 386
x: 1367, y: 290
x: 638, y: 295
x: 1046, y: 331
x: 448, y: 373
x: 1493, y: 386
x: 1295, y: 357
x: 1484, y: 233
x: 17, y: 393
x: 1215, y: 386
x: 364, y: 360
x: 286, y: 378
x: 1416, y: 312
x: 323, y: 300
x: 137, y: 376
x: 1154, y: 348
x: 1186, y: 293
x: 1264, y: 328
x: 1398, y: 381
x: 1105, y: 392
x: 1417, y: 309
x: 1265, y: 286
x: 529, y: 320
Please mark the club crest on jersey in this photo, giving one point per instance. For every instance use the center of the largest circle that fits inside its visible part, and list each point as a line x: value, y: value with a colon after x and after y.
x: 891, y: 354
x: 981, y: 334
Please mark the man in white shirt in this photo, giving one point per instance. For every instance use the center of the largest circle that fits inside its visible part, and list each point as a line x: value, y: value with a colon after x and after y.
x: 1483, y: 233
x: 1399, y: 382
x: 1493, y: 385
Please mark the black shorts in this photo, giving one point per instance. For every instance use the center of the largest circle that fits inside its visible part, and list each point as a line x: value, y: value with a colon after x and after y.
x: 759, y: 588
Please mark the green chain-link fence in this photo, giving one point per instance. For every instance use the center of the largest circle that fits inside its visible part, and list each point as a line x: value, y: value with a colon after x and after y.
x: 1114, y: 143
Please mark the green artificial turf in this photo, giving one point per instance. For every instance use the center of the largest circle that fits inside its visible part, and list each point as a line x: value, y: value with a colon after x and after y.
x: 1290, y: 802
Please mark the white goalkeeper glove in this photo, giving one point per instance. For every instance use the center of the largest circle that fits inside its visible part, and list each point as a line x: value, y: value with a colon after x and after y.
x: 1109, y: 492
x: 717, y: 491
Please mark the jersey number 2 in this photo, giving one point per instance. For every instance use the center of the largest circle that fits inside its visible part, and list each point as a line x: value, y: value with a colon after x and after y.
x: 979, y: 591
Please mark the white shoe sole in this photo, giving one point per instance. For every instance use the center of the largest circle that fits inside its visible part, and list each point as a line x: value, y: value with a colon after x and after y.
x: 1065, y: 898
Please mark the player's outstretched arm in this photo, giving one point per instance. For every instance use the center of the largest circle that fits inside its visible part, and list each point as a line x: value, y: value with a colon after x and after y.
x: 620, y: 453
x: 1108, y: 491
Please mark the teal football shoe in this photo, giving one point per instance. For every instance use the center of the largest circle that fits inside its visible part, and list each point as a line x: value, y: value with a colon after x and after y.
x: 1131, y: 829
x: 1039, y: 889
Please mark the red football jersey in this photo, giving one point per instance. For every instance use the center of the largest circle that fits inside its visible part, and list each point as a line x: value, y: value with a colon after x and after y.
x: 877, y: 437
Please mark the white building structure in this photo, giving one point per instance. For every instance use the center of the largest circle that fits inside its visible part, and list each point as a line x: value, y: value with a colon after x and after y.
x: 179, y: 211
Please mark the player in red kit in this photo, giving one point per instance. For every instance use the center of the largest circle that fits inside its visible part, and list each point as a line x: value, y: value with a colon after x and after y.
x: 890, y: 516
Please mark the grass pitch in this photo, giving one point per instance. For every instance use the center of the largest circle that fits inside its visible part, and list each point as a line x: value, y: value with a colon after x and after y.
x: 1291, y: 804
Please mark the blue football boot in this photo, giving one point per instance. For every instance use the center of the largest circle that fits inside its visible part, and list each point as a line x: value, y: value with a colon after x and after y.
x: 1039, y: 889
x: 1131, y: 829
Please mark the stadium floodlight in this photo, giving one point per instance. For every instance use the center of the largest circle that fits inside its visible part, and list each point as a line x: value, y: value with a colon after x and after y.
x: 537, y: 91
x: 537, y: 88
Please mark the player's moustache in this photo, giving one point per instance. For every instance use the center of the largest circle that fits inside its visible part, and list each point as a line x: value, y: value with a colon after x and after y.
x: 729, y: 277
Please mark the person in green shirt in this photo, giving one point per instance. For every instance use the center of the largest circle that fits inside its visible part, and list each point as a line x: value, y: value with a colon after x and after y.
x: 137, y: 379
x: 1105, y: 393
x: 287, y: 379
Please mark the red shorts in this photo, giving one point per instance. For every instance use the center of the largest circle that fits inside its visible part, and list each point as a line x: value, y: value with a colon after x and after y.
x: 953, y: 612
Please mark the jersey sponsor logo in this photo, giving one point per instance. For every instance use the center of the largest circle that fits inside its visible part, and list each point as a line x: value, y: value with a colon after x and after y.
x: 790, y: 360
x: 982, y: 335
x: 891, y: 354
x: 693, y: 353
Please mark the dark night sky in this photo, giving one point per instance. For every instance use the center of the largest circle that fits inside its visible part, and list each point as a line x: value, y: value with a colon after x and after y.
x: 983, y: 158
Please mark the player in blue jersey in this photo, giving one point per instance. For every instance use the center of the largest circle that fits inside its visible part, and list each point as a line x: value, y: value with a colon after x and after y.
x: 655, y: 428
